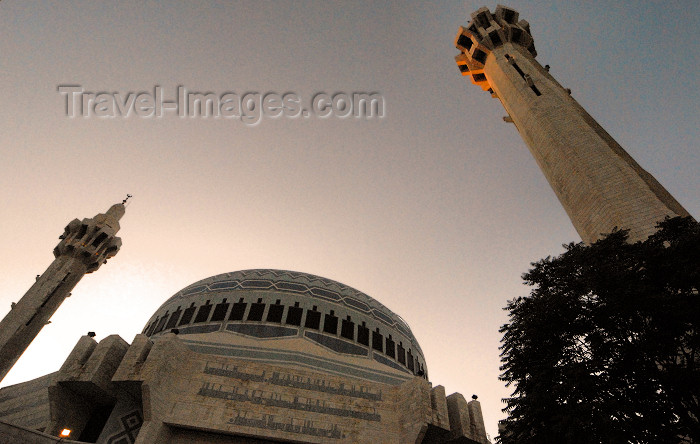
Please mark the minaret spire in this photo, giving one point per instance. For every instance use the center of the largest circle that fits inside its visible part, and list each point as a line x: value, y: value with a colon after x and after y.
x: 599, y: 185
x: 84, y: 246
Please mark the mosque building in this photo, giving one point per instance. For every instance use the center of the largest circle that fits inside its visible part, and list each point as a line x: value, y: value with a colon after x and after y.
x: 267, y: 356
x: 254, y: 356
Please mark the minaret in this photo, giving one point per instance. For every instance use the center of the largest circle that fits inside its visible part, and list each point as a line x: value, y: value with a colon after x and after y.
x: 84, y: 246
x: 600, y: 186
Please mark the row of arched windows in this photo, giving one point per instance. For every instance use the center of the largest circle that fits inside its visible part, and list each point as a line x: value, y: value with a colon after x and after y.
x: 255, y: 311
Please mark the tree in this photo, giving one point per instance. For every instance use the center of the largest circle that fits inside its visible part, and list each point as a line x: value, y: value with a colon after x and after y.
x: 606, y: 348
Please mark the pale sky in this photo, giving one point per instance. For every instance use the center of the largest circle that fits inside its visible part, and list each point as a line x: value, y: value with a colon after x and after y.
x: 435, y: 210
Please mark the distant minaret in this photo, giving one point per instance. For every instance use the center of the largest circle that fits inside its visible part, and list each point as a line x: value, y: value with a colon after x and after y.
x: 84, y: 246
x: 597, y: 182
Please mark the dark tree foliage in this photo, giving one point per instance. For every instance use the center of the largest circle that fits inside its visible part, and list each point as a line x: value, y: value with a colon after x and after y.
x: 606, y: 348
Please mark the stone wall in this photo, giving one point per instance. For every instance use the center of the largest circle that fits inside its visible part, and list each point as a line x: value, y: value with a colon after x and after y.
x: 15, y: 434
x: 27, y: 404
x: 164, y: 392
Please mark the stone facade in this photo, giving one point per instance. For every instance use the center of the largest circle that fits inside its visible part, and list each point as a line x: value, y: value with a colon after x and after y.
x: 163, y: 392
x: 599, y: 185
x: 27, y: 404
x: 249, y: 357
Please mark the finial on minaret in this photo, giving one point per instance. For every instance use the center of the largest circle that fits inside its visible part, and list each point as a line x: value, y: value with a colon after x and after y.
x: 116, y: 212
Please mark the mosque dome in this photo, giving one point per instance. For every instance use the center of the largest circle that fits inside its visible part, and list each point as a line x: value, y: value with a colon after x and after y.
x: 292, y: 318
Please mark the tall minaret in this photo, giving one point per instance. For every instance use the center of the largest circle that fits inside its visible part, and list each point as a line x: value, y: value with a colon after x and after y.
x: 84, y: 246
x: 600, y: 186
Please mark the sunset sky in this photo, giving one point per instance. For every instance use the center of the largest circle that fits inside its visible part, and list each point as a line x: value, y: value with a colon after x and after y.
x: 435, y: 209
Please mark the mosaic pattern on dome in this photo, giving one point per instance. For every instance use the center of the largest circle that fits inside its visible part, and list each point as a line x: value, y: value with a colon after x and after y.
x: 297, y: 283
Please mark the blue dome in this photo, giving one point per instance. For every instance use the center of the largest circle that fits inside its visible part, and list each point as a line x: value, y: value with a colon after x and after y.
x: 292, y: 318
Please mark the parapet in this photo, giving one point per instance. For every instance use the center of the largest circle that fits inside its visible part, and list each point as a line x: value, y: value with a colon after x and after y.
x: 92, y: 241
x: 485, y: 32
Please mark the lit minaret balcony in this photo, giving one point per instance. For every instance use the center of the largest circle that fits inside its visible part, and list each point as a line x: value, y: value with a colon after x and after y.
x: 600, y: 186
